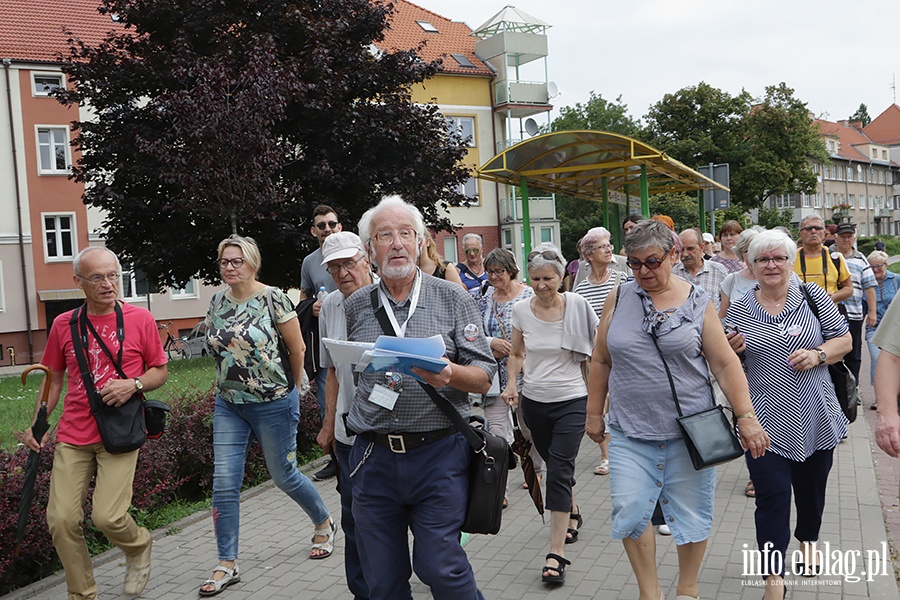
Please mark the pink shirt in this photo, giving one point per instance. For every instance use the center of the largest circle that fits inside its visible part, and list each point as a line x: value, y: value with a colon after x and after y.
x: 143, y: 349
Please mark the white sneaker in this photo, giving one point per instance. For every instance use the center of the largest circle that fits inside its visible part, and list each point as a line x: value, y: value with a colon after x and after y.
x: 664, y: 530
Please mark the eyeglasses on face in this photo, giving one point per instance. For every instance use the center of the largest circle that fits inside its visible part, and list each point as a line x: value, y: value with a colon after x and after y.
x: 651, y: 263
x: 347, y: 265
x: 387, y: 236
x: 812, y: 228
x: 495, y: 272
x: 765, y: 260
x: 472, y: 251
x: 237, y: 263
x: 879, y: 267
x: 113, y: 278
x: 321, y: 225
x: 603, y: 248
x: 546, y: 254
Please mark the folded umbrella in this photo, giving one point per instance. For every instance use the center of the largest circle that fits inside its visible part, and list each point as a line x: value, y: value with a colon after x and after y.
x: 31, y: 467
x: 521, y: 446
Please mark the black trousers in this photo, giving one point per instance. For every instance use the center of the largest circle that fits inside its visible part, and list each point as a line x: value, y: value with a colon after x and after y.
x: 853, y: 359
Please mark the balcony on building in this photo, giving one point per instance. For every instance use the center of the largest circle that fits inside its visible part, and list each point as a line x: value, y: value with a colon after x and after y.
x: 541, y: 208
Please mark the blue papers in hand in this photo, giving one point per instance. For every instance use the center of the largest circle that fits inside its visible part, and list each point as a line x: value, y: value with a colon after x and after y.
x: 402, y: 354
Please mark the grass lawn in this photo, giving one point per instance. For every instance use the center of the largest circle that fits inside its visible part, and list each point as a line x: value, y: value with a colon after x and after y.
x: 17, y: 402
x: 894, y: 268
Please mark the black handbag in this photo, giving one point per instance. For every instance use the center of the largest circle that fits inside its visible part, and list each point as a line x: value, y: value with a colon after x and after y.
x: 708, y: 436
x: 489, y: 467
x: 122, y: 428
x: 843, y: 380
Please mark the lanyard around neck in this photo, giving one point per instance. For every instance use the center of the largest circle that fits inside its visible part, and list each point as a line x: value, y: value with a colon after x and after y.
x: 413, y: 302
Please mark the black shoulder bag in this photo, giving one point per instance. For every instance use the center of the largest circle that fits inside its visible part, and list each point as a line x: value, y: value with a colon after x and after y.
x: 841, y: 377
x: 488, y: 469
x: 122, y: 428
x: 709, y: 438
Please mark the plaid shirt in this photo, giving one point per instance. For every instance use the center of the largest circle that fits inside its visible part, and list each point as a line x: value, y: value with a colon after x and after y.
x: 443, y: 308
x: 709, y: 279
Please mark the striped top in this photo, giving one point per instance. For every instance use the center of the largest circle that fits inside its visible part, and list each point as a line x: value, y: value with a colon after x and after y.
x: 799, y: 410
x: 596, y: 293
x: 863, y: 278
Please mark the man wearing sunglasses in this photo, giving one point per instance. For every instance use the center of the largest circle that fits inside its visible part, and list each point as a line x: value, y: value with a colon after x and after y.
x: 814, y: 264
x: 314, y: 276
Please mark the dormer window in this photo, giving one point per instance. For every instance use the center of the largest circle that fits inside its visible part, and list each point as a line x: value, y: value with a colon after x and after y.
x: 427, y: 26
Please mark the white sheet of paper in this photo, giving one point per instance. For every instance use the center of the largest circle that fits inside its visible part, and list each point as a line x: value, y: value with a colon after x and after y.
x: 343, y: 351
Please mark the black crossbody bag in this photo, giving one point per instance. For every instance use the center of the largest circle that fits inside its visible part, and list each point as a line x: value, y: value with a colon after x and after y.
x: 122, y: 428
x: 489, y: 467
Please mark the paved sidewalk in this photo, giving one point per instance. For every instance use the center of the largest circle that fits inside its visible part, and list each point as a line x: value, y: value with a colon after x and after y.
x: 275, y: 542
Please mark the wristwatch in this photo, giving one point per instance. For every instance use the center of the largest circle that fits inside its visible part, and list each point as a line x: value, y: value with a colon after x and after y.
x: 822, y: 356
x: 138, y: 384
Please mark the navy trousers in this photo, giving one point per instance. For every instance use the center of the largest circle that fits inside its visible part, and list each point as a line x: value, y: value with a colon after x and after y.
x: 424, y: 490
x: 356, y: 582
x: 774, y: 476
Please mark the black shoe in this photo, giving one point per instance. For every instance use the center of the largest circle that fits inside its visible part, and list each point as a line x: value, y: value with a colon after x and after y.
x: 327, y: 472
x: 560, y: 577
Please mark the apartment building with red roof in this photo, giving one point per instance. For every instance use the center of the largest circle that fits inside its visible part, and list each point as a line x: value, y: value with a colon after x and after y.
x: 43, y: 221
x: 860, y: 183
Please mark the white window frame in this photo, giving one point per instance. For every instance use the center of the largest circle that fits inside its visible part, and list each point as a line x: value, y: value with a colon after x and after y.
x: 455, y: 123
x: 129, y: 273
x: 450, y: 249
x: 39, y: 90
x: 58, y: 231
x: 2, y: 293
x: 189, y: 292
x: 469, y: 189
x: 549, y: 231
x: 817, y: 200
x: 53, y: 170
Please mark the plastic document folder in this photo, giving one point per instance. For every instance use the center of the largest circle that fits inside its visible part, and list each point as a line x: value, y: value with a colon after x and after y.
x: 402, y: 354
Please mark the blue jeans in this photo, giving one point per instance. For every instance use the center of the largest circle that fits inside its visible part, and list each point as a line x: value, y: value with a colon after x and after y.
x: 425, y: 490
x: 274, y: 424
x: 874, y: 352
x: 356, y: 582
x: 321, y: 376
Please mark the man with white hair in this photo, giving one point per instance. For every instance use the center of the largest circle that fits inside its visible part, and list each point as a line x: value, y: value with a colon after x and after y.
x: 409, y: 463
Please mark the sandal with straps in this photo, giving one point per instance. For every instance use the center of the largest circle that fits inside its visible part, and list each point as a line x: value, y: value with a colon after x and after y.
x: 560, y: 569
x: 327, y: 547
x: 231, y: 576
x: 572, y: 532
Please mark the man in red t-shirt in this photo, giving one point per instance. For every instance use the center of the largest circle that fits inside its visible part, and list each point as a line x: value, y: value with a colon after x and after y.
x: 79, y: 451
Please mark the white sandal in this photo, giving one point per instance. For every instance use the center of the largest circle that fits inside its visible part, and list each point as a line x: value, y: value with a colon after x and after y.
x: 231, y: 576
x: 327, y: 546
x: 602, y: 468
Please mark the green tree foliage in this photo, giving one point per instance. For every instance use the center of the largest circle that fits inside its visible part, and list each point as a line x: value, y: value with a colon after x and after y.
x: 861, y: 115
x: 782, y: 141
x: 681, y: 207
x: 768, y: 144
x: 235, y: 116
x: 775, y: 217
x: 577, y: 216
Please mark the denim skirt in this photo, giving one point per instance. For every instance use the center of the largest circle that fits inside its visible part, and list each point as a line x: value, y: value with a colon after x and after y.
x: 643, y: 472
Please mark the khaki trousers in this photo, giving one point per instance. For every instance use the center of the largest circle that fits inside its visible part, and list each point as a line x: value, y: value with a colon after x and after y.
x: 73, y: 468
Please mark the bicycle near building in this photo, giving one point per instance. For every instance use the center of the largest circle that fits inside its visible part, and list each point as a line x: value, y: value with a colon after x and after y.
x: 174, y: 346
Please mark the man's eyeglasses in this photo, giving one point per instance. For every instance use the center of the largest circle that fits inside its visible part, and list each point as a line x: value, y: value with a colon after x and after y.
x: 473, y: 251
x: 546, y: 254
x: 321, y: 225
x: 495, y: 272
x: 651, y: 263
x: 812, y: 228
x: 347, y: 265
x: 113, y: 278
x: 237, y: 263
x: 765, y: 260
x: 387, y: 236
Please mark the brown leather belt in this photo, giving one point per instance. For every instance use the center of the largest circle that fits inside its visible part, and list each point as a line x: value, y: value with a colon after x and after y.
x: 400, y: 443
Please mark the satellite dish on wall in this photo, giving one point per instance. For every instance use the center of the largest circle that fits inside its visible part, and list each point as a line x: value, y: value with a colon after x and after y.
x: 531, y: 127
x: 552, y: 89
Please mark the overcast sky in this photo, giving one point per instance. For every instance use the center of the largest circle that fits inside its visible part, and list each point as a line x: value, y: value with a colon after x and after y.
x: 834, y: 54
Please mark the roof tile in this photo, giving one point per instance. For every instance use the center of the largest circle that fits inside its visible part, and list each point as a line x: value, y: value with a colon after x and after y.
x: 36, y: 30
x: 452, y: 37
x: 885, y: 128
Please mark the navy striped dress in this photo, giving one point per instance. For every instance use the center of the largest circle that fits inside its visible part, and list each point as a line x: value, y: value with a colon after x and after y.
x: 799, y: 410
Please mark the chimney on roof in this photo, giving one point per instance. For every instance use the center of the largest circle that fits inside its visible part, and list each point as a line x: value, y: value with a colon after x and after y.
x: 856, y: 125
x: 844, y: 122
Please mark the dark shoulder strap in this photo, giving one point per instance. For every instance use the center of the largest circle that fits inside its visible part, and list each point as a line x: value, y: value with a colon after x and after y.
x: 477, y: 443
x: 810, y: 301
x: 79, y: 350
x: 803, y: 264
